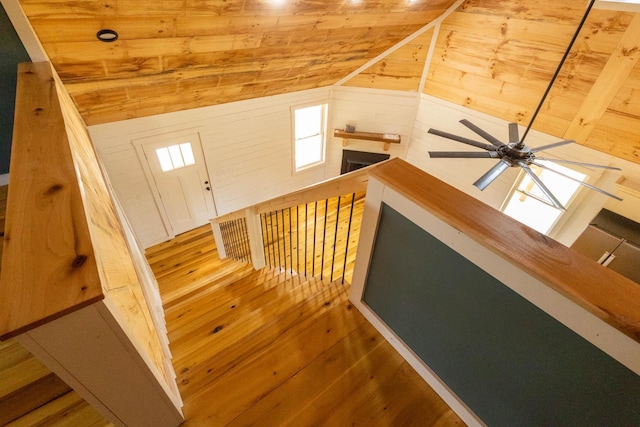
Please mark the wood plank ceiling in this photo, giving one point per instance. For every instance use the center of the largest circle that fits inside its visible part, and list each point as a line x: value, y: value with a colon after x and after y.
x: 494, y: 56
x: 179, y: 54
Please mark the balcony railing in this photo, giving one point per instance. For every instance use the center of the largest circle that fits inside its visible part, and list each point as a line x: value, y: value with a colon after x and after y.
x: 312, y: 232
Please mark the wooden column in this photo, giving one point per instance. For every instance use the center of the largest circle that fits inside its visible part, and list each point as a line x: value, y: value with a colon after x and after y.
x: 256, y: 242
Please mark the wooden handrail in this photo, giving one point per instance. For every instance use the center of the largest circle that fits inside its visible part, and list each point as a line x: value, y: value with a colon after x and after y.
x: 351, y: 182
x: 49, y: 267
x: 604, y: 293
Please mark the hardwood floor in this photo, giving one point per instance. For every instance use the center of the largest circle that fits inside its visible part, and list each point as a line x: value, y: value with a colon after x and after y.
x: 30, y: 394
x: 270, y: 348
x: 250, y: 348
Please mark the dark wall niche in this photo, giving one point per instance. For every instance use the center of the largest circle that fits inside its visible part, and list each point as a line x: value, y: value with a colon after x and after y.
x: 353, y: 160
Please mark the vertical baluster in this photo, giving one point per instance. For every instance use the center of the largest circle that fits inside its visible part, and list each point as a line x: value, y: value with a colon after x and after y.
x: 306, y: 232
x: 227, y: 239
x: 335, y: 239
x: 265, y: 238
x: 247, y: 246
x: 315, y: 226
x: 224, y: 238
x: 324, y: 236
x: 297, y: 240
x: 234, y: 251
x: 279, y: 264
x: 273, y: 241
x: 228, y: 232
x: 346, y: 248
x: 290, y: 242
x: 234, y: 232
x: 239, y: 234
x: 270, y: 232
x: 284, y: 239
x: 243, y: 240
x: 243, y: 254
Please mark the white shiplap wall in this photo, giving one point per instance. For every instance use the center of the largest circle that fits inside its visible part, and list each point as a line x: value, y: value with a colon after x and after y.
x: 373, y: 111
x: 248, y: 150
x: 247, y: 147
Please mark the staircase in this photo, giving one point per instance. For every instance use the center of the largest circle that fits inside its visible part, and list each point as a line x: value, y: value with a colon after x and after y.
x: 272, y: 347
x: 30, y: 394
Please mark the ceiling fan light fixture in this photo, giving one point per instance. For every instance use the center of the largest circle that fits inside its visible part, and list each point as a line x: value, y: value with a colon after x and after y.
x: 107, y: 35
x: 515, y: 153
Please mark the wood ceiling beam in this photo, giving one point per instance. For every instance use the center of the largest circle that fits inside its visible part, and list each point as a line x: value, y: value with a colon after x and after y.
x: 613, y: 76
x: 432, y: 24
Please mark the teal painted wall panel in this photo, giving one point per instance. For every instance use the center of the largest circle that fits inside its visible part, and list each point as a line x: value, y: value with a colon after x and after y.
x: 510, y: 362
x: 12, y: 52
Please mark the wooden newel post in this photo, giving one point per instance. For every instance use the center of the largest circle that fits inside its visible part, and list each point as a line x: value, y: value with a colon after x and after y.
x: 256, y: 243
x: 217, y: 236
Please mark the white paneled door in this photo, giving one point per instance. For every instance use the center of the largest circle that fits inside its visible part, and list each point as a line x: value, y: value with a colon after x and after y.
x: 179, y: 170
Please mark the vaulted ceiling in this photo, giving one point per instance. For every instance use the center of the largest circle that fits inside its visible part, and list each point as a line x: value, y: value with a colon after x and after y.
x: 179, y: 54
x: 495, y: 56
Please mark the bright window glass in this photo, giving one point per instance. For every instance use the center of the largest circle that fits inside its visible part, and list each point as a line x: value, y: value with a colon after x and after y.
x: 175, y: 156
x: 530, y: 206
x: 309, y: 135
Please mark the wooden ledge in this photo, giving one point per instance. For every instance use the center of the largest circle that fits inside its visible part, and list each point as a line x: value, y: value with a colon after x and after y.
x: 48, y: 265
x: 604, y: 293
x: 387, y: 139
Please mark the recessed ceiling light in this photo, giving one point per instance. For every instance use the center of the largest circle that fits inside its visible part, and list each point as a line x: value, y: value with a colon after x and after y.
x: 107, y: 35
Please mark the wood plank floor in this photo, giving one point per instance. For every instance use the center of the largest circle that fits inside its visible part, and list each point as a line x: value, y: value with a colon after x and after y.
x: 270, y: 348
x: 30, y: 394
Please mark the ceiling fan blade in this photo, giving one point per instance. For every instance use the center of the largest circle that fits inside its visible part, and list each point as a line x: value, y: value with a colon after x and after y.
x: 555, y: 144
x: 514, y: 138
x: 599, y: 190
x: 578, y: 163
x: 462, y: 139
x: 493, y: 140
x: 464, y: 154
x: 541, y: 185
x: 491, y: 175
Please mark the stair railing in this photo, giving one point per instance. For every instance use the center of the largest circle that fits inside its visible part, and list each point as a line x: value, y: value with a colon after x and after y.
x: 307, y: 232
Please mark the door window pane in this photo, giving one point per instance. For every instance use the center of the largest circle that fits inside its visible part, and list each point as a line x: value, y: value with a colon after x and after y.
x: 187, y: 154
x: 175, y: 156
x: 165, y: 159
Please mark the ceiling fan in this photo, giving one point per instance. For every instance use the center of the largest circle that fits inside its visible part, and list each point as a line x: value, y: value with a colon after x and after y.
x: 515, y: 153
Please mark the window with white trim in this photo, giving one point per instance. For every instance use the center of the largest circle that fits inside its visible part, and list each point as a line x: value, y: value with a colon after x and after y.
x: 529, y: 205
x: 309, y: 130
